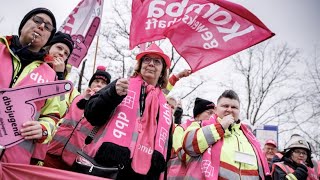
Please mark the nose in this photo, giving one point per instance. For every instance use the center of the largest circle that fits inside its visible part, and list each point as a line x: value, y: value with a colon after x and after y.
x: 229, y: 109
x: 41, y: 26
x: 151, y: 62
x: 61, y: 53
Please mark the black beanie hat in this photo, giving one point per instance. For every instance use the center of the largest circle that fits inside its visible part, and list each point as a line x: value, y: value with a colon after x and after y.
x: 37, y: 11
x: 101, y: 73
x: 64, y: 38
x: 200, y: 105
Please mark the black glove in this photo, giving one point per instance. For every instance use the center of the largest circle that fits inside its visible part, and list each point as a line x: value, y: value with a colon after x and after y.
x: 178, y: 115
x: 301, y: 172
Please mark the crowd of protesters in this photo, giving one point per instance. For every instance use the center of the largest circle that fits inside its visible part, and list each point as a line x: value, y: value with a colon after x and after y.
x: 131, y: 123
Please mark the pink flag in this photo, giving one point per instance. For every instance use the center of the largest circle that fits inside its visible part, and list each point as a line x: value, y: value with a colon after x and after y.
x: 25, y: 171
x: 202, y: 31
x: 82, y: 24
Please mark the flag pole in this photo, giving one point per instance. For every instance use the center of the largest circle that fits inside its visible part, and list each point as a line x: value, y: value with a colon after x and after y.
x: 95, y: 55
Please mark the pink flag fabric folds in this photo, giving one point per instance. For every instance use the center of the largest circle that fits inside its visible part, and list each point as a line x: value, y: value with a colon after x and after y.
x: 23, y: 171
x: 82, y: 24
x: 202, y: 31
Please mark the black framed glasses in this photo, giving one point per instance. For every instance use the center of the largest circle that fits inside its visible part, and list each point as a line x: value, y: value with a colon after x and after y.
x: 39, y: 20
x: 156, y: 61
x: 298, y: 152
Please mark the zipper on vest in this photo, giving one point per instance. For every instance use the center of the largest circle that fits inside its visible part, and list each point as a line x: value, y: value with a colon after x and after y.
x: 14, y: 78
x: 235, y: 134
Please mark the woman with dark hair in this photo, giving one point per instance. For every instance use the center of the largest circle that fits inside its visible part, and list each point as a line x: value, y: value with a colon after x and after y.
x: 59, y: 50
x: 137, y: 119
x: 296, y: 162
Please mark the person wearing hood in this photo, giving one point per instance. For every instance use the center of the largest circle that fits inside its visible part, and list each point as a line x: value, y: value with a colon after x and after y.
x: 296, y: 163
x: 22, y: 56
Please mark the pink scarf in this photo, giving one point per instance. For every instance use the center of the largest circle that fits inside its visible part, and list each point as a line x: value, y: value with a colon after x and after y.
x: 147, y: 130
x: 141, y: 135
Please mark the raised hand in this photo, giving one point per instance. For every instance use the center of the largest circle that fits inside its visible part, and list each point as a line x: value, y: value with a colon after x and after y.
x: 122, y: 86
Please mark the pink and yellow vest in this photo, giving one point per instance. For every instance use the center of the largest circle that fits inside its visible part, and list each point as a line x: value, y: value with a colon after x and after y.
x: 207, y: 165
x: 43, y: 73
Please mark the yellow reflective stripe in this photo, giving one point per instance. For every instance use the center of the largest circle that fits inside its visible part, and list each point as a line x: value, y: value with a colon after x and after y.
x: 291, y: 177
x: 203, y: 137
x: 177, y: 138
x: 169, y: 87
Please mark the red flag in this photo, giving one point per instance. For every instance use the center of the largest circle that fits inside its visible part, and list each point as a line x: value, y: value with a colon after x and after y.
x: 202, y: 31
x: 82, y: 24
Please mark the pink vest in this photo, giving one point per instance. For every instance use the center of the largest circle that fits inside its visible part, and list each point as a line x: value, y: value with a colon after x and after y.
x: 71, y: 134
x: 210, y: 159
x: 25, y: 148
x: 312, y: 175
x: 122, y: 128
x: 6, y: 67
x: 175, y: 167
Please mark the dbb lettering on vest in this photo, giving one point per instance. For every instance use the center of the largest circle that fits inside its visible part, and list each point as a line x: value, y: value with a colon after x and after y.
x: 38, y: 78
x: 121, y: 123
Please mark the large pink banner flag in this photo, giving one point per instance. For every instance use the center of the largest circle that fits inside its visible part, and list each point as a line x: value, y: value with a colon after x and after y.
x: 82, y: 24
x: 202, y: 31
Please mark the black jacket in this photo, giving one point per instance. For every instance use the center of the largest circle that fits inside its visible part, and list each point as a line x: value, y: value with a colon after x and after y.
x: 300, y: 171
x: 101, y: 105
x: 98, y: 111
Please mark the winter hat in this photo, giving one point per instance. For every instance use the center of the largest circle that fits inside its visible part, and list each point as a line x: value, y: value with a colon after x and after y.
x: 37, y: 11
x: 200, y: 105
x: 64, y: 38
x: 271, y: 142
x: 154, y: 49
x: 100, y: 74
x: 296, y: 141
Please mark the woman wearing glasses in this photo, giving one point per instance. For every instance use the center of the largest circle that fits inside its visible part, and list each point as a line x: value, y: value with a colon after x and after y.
x: 22, y: 64
x: 296, y: 162
x: 137, y: 133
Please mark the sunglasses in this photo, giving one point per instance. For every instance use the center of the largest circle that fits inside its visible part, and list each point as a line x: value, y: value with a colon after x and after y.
x: 156, y: 61
x: 39, y: 20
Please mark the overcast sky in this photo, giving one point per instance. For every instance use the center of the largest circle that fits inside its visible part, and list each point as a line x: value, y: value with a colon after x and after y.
x: 293, y: 21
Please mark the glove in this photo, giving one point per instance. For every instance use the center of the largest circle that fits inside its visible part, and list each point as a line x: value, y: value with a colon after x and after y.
x: 301, y: 172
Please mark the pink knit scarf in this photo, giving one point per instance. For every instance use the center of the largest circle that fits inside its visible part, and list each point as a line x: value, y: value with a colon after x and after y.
x: 147, y: 130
